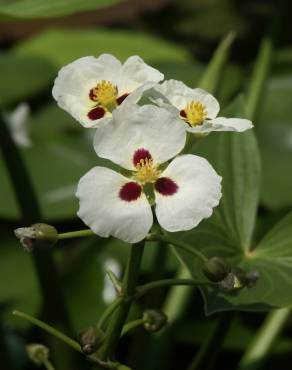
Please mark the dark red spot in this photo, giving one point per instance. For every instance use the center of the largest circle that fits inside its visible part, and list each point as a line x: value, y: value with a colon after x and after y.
x: 141, y: 154
x: 130, y: 191
x: 121, y: 98
x: 96, y: 113
x: 183, y: 113
x: 166, y: 186
x: 92, y: 95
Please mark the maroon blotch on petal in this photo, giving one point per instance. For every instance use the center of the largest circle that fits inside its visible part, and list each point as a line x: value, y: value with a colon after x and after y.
x: 92, y: 95
x: 121, y: 98
x: 166, y: 186
x: 141, y: 154
x: 183, y: 113
x: 96, y: 113
x: 130, y: 191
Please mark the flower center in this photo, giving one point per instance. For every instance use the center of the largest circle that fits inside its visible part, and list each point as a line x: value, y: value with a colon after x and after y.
x: 194, y: 113
x: 105, y: 93
x: 147, y: 172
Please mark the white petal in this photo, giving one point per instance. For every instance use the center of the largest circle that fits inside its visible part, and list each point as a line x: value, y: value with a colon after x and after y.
x: 179, y: 95
x: 231, y: 124
x: 199, y: 191
x: 74, y: 81
x: 18, y: 125
x: 135, y: 73
x: 132, y: 128
x: 106, y: 213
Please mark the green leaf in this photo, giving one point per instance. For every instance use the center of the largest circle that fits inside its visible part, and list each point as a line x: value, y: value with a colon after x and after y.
x: 63, y: 46
x: 274, y: 131
x: 23, y: 76
x: 235, y: 157
x: 52, y: 8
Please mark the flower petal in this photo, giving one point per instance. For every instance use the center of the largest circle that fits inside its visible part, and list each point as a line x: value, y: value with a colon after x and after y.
x: 135, y: 73
x: 134, y: 128
x: 74, y: 81
x: 103, y: 210
x: 198, y: 192
x: 231, y: 124
x: 179, y: 95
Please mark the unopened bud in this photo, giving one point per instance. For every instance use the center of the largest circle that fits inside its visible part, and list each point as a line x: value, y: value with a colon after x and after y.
x: 91, y: 339
x: 38, y: 353
x: 37, y: 235
x: 238, y: 279
x: 154, y: 320
x: 216, y: 269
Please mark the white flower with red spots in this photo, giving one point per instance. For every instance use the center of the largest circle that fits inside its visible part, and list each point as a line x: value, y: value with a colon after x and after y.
x: 196, y: 108
x: 141, y: 140
x: 91, y: 88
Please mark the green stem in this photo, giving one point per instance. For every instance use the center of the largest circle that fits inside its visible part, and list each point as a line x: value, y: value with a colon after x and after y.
x: 259, y: 348
x: 130, y: 279
x: 213, y: 72
x: 76, y: 234
x: 143, y: 289
x: 49, y: 329
x: 179, y: 244
x: 109, y: 311
x: 43, y: 260
x: 48, y: 365
x: 210, y: 349
x: 132, y: 325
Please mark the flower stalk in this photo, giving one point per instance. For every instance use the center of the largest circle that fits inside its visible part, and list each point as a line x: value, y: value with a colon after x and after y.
x: 129, y: 283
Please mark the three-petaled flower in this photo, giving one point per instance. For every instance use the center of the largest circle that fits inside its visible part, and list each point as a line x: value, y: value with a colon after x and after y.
x: 142, y: 140
x: 196, y: 108
x: 91, y: 88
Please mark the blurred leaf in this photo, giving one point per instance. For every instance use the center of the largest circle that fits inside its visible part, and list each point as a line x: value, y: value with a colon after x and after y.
x: 18, y: 288
x: 62, y: 152
x: 52, y: 8
x: 23, y: 76
x: 64, y: 46
x: 274, y: 131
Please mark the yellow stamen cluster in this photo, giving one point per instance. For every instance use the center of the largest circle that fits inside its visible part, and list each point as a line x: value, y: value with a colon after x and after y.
x: 195, y: 113
x: 147, y: 172
x: 105, y: 94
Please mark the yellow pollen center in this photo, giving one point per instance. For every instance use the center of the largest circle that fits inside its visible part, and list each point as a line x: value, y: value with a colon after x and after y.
x: 147, y: 172
x: 105, y: 93
x: 195, y: 113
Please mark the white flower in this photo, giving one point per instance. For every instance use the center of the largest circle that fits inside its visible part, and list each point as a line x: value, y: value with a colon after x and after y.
x: 141, y: 140
x: 17, y: 125
x: 91, y: 88
x: 196, y: 108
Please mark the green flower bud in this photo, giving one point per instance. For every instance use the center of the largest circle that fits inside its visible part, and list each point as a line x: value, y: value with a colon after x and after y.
x: 216, y: 269
x: 37, y: 235
x: 38, y: 353
x: 91, y: 339
x: 154, y: 320
x: 238, y: 279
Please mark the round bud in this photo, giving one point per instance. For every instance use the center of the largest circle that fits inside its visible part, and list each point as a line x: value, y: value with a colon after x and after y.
x: 91, y: 339
x: 37, y: 235
x: 154, y: 320
x: 38, y: 353
x: 216, y: 269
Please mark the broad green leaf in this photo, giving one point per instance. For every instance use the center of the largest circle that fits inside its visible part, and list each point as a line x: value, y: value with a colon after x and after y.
x: 61, y: 153
x: 235, y: 157
x: 52, y: 8
x: 274, y: 131
x: 23, y: 76
x: 228, y: 232
x: 63, y: 46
